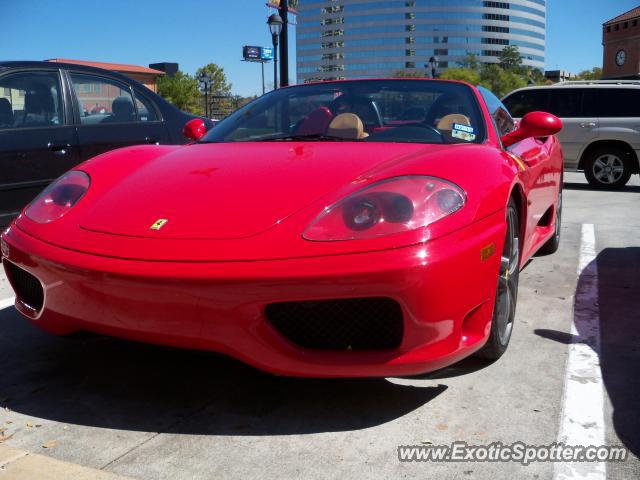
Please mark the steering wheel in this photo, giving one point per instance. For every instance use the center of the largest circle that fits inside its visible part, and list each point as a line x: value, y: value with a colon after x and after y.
x: 408, y: 131
x: 422, y: 125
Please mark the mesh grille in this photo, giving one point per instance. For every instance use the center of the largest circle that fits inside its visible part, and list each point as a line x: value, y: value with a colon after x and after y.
x: 345, y: 324
x: 27, y: 287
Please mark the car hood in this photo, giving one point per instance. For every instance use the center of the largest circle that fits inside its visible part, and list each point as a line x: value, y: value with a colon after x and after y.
x: 231, y: 190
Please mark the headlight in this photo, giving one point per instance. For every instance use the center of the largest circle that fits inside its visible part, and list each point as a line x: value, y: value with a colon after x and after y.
x: 59, y: 197
x: 391, y: 206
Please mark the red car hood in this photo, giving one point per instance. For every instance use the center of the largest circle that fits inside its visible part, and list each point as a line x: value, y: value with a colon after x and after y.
x: 227, y: 191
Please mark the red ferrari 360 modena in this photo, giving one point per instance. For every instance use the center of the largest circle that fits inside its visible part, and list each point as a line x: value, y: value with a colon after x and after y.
x: 338, y: 229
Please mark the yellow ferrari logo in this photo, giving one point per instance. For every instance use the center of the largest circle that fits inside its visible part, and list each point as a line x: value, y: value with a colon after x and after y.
x: 487, y: 252
x: 161, y: 222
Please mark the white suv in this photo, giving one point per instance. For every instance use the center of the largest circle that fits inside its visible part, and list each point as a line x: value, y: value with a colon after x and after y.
x: 601, y: 133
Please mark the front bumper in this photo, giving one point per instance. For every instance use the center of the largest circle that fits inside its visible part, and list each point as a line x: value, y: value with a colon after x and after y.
x: 444, y: 288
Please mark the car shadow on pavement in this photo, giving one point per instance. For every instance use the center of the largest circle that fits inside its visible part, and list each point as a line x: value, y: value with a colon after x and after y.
x: 463, y: 367
x: 619, y: 311
x: 104, y: 382
x: 587, y: 187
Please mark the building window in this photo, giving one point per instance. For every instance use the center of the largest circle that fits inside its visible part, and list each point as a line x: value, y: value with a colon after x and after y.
x: 496, y: 16
x: 496, y: 4
x: 495, y: 41
x: 409, y: 64
x: 608, y: 28
x: 625, y: 25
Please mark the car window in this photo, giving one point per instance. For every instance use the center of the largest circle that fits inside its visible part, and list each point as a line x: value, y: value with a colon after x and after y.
x: 405, y: 111
x: 566, y: 103
x: 30, y: 99
x: 101, y: 100
x: 146, y: 112
x: 501, y: 117
x: 526, y: 101
x: 618, y: 102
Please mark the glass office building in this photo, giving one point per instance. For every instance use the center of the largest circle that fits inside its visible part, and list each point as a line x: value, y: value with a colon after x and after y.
x: 338, y: 39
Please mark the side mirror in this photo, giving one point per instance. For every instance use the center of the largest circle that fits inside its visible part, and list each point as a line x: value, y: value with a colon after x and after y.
x: 533, y: 125
x: 194, y: 129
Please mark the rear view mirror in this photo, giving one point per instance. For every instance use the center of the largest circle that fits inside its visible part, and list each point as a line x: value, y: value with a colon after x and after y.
x: 194, y: 129
x: 533, y: 125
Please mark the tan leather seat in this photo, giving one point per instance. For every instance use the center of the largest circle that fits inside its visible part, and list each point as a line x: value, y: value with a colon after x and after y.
x: 446, y: 123
x: 348, y: 126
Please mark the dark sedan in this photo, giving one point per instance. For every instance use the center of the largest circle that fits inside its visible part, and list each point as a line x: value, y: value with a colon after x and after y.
x: 56, y: 115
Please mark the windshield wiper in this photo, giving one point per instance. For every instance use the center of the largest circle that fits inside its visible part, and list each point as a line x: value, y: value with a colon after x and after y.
x: 310, y: 138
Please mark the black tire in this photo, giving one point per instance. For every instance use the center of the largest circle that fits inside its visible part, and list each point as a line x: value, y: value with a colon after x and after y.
x: 608, y: 168
x: 504, y: 310
x: 553, y: 243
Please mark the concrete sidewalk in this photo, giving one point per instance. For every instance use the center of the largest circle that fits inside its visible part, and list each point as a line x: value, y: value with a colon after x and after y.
x: 18, y: 464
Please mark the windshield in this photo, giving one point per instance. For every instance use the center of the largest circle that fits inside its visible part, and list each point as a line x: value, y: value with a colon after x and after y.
x: 408, y: 111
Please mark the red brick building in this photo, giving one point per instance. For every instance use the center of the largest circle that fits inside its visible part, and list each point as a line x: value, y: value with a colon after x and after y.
x: 144, y: 75
x: 621, y: 41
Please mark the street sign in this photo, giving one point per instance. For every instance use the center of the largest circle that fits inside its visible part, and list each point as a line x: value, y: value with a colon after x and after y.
x: 257, y: 54
x: 266, y: 54
x: 252, y: 53
x: 293, y: 5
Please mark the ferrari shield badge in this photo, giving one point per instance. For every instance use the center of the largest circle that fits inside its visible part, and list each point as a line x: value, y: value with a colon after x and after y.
x: 161, y: 222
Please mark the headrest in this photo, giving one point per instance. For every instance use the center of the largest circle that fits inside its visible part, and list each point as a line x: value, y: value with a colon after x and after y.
x: 122, y: 107
x: 446, y: 123
x: 347, y: 125
x: 6, y: 113
x: 38, y: 99
x: 316, y: 123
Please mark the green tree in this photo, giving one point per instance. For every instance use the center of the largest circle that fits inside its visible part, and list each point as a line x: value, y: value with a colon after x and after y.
x: 536, y: 76
x: 407, y: 74
x: 181, y: 89
x: 594, y: 74
x: 510, y: 58
x: 463, y: 74
x: 471, y: 62
x: 500, y: 81
x: 242, y: 101
x: 219, y: 83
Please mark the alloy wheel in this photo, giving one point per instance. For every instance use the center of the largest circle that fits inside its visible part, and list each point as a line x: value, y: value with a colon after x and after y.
x: 608, y: 168
x: 507, y: 293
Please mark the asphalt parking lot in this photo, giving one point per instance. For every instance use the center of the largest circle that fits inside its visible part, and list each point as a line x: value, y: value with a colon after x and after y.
x: 155, y: 413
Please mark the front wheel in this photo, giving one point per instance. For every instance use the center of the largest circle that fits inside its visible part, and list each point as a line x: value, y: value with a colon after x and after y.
x: 504, y: 311
x: 608, y: 168
x: 553, y: 243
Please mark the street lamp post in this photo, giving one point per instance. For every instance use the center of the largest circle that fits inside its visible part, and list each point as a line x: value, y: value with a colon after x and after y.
x: 275, y: 27
x: 284, y: 43
x: 205, y: 81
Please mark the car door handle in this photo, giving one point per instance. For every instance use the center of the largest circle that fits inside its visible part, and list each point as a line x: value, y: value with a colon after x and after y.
x: 588, y: 125
x: 59, y: 149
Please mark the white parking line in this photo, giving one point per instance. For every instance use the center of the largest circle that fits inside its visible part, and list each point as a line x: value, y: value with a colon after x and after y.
x: 582, y: 419
x: 7, y: 302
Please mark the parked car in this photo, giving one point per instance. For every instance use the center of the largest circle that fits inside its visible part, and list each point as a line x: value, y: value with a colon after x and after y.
x: 55, y: 115
x: 601, y: 134
x: 305, y: 234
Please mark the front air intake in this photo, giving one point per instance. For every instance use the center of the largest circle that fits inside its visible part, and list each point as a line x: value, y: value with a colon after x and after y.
x: 27, y: 287
x: 342, y: 324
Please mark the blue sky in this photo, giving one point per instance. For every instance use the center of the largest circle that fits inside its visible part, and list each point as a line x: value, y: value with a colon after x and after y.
x: 194, y: 33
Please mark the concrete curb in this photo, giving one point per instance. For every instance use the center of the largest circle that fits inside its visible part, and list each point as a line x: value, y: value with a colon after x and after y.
x: 18, y: 464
